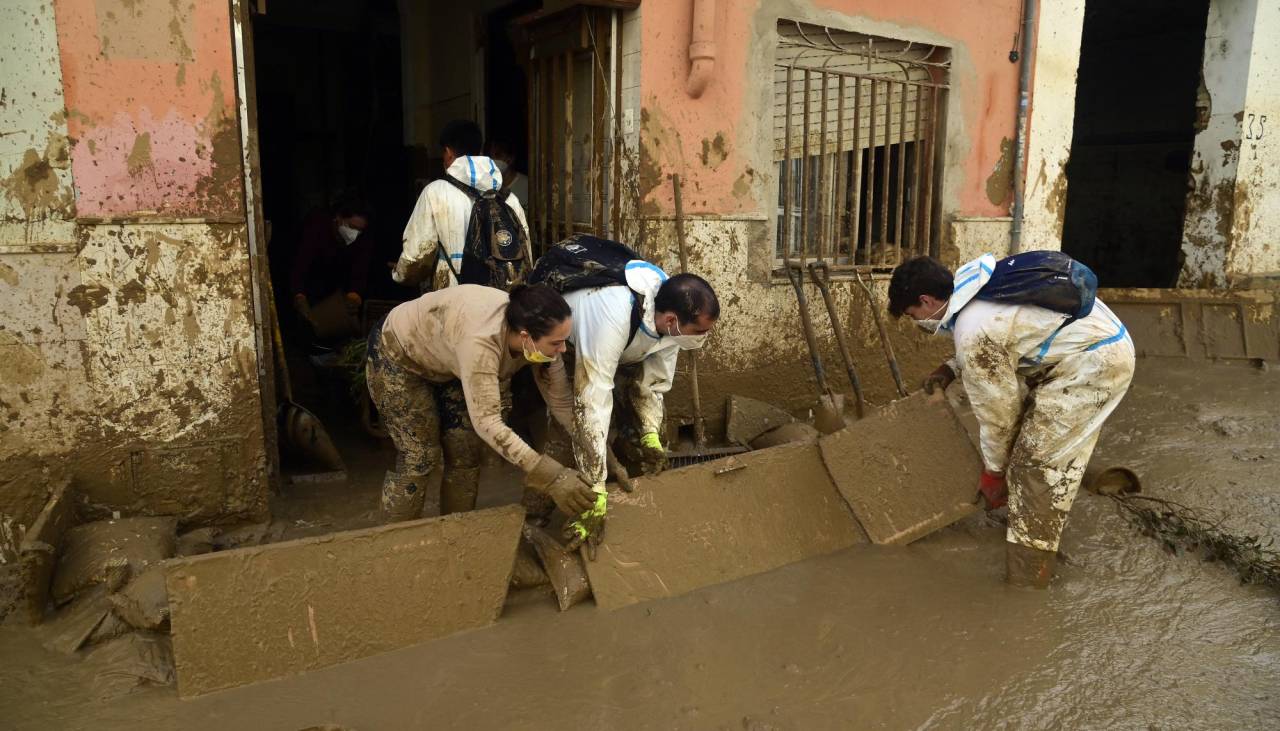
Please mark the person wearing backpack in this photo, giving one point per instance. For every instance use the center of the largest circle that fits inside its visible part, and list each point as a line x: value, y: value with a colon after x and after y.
x: 1044, y: 363
x: 630, y: 322
x: 466, y: 227
x: 456, y: 345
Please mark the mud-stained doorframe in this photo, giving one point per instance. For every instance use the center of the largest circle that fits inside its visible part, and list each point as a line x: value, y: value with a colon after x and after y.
x: 247, y: 107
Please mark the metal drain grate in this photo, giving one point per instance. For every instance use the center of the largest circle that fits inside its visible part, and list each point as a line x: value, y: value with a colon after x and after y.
x: 685, y: 459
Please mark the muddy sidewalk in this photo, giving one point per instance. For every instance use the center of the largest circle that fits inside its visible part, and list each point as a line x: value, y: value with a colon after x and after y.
x: 925, y: 636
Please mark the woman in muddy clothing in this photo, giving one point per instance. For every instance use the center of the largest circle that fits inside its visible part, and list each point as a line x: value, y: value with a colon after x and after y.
x: 434, y: 368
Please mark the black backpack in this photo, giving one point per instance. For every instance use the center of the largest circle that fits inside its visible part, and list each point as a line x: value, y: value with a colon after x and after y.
x: 1048, y: 279
x: 496, y: 250
x: 583, y: 261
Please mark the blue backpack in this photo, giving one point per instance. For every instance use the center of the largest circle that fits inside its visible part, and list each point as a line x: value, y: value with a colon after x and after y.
x: 1048, y: 279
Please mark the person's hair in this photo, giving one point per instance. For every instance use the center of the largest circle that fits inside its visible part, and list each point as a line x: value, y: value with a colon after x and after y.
x: 496, y: 146
x: 352, y: 204
x: 915, y: 277
x: 689, y: 296
x: 462, y: 136
x: 536, y: 308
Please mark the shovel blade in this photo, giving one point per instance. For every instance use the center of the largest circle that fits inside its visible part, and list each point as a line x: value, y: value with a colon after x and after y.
x: 305, y: 435
x: 829, y: 416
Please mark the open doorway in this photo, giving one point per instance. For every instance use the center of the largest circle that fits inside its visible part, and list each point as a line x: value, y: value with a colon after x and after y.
x: 330, y: 125
x: 1135, y: 125
x: 351, y: 98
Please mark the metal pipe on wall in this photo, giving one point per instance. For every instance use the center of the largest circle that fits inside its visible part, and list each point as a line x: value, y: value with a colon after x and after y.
x: 1020, y: 134
x: 702, y: 47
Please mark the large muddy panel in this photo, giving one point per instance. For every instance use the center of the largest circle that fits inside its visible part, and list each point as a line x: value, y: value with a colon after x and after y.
x: 703, y: 525
x: 1159, y: 328
x: 907, y: 471
x: 253, y: 614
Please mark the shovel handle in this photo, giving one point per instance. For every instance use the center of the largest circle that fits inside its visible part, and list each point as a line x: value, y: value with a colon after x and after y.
x: 884, y: 335
x: 823, y: 281
x: 795, y: 274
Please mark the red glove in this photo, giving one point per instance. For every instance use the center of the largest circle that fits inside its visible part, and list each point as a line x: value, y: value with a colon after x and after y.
x: 993, y: 489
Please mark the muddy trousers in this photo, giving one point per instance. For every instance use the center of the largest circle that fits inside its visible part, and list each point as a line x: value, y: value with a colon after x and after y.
x: 435, y: 443
x: 1059, y: 430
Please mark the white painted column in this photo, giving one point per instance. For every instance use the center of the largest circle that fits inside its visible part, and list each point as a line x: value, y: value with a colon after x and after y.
x: 1207, y: 231
x: 1254, y: 253
x: 1053, y: 112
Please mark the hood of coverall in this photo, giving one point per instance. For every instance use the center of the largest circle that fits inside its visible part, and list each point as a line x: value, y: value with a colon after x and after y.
x: 477, y: 171
x: 969, y: 278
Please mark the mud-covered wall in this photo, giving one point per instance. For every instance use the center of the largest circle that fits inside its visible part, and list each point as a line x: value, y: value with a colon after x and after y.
x: 1255, y: 224
x: 127, y: 354
x: 1233, y: 207
x: 1051, y: 121
x: 721, y: 144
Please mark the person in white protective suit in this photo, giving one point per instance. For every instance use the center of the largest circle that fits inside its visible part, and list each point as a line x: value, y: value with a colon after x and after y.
x: 1076, y: 374
x: 678, y: 314
x: 442, y: 213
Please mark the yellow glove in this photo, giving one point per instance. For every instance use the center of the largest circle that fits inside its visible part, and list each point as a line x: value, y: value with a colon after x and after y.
x: 653, y: 455
x: 588, y: 528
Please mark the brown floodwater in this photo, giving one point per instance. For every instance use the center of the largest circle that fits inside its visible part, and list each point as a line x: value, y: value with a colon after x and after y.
x: 925, y: 636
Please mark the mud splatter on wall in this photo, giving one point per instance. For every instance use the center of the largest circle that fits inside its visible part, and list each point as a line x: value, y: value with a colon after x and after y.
x: 722, y: 146
x: 150, y: 95
x: 1233, y: 207
x: 127, y: 347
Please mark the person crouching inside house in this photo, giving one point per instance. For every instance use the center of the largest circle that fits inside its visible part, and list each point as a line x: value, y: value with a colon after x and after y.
x: 1076, y: 370
x: 434, y: 368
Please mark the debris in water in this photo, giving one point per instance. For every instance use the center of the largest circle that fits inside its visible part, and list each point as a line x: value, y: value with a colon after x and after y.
x: 1175, y: 525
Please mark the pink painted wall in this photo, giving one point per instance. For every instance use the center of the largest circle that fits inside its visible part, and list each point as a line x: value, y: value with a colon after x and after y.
x: 984, y: 86
x: 150, y: 95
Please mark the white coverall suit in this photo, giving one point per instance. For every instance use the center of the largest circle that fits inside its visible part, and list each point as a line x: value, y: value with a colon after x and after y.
x: 1077, y: 375
x: 601, y: 327
x: 441, y: 217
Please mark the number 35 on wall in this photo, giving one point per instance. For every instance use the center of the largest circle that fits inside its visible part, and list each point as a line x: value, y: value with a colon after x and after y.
x: 1256, y: 127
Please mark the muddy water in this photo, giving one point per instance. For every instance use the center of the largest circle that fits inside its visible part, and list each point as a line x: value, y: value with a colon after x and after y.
x: 925, y: 636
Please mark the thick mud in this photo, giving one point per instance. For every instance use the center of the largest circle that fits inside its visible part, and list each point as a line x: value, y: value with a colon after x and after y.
x: 924, y: 636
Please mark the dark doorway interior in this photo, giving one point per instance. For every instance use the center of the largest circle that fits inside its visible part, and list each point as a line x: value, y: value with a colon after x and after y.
x: 330, y: 124
x: 1135, y: 126
x: 506, y: 84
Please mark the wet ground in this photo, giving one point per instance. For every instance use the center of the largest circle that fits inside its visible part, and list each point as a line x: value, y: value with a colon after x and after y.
x: 925, y: 636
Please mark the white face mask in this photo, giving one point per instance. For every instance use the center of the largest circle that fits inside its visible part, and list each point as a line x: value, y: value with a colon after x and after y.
x: 929, y: 324
x: 348, y: 234
x: 501, y: 164
x: 687, y: 342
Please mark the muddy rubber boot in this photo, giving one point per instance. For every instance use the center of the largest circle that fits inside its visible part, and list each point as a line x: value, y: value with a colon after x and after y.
x: 458, y: 490
x: 461, y: 481
x: 1029, y: 567
x: 403, y: 496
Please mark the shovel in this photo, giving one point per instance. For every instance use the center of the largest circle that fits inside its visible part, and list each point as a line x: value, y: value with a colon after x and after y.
x: 884, y: 335
x: 830, y: 413
x: 823, y: 281
x: 701, y: 452
x: 300, y: 430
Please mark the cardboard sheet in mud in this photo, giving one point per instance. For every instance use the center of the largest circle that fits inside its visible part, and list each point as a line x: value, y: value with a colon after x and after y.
x: 906, y: 471
x: 269, y: 611
x: 689, y: 528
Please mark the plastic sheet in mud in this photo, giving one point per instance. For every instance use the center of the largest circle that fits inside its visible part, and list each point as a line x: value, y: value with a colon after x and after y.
x: 265, y: 612
x: 692, y: 527
x: 907, y: 471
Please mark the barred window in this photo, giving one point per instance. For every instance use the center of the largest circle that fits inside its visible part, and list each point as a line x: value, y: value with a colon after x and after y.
x: 856, y: 136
